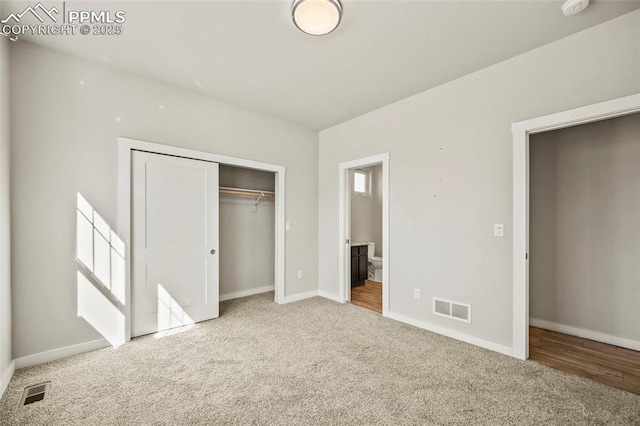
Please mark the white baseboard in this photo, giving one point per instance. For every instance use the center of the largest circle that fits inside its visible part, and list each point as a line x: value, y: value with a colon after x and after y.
x: 299, y: 296
x: 6, y: 376
x: 477, y: 341
x: 245, y: 293
x: 329, y: 296
x: 586, y: 334
x: 54, y: 354
x: 308, y: 294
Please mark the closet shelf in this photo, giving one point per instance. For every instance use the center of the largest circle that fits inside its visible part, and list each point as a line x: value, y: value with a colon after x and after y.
x: 247, y: 192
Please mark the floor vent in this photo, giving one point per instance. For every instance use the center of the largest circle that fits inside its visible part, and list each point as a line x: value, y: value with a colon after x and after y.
x: 34, y: 393
x: 454, y: 310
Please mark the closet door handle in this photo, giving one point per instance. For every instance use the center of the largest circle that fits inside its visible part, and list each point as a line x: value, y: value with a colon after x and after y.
x: 213, y: 251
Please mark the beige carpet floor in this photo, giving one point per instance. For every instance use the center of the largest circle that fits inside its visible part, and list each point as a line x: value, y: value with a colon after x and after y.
x: 309, y: 362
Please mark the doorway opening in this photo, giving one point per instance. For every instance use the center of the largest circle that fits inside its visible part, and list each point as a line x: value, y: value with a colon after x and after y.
x: 584, y: 201
x: 546, y: 336
x: 364, y: 232
x: 521, y: 133
x: 365, y: 224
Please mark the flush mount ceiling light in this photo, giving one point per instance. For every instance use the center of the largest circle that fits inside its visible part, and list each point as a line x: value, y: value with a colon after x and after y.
x: 316, y: 17
x: 573, y: 7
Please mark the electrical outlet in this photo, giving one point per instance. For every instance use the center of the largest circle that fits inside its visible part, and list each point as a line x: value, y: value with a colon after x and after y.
x: 416, y: 293
x: 498, y: 230
x: 300, y: 274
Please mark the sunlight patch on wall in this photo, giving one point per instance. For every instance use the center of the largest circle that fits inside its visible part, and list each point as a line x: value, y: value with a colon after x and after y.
x: 99, y: 249
x: 101, y: 252
x: 98, y: 311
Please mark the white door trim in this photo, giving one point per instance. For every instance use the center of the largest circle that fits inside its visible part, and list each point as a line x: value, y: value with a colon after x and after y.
x: 125, y: 146
x: 521, y: 131
x: 344, y: 259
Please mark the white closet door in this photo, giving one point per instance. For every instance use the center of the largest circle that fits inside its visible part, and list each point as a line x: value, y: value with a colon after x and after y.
x: 175, y: 237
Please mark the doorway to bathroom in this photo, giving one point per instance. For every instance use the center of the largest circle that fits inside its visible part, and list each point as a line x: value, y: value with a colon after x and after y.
x: 364, y: 232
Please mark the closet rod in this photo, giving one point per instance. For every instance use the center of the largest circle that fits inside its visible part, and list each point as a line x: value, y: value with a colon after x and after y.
x: 242, y: 191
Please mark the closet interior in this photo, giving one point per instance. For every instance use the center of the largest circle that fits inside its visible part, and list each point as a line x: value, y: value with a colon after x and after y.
x: 247, y: 231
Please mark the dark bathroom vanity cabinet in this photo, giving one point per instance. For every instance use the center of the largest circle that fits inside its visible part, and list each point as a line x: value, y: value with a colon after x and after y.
x: 359, y: 264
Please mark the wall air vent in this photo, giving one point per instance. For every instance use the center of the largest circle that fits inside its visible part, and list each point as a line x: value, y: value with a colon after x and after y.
x: 34, y: 393
x: 453, y: 310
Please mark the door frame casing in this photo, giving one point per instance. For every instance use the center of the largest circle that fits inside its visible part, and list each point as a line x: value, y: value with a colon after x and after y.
x: 125, y: 148
x: 344, y: 255
x: 521, y: 131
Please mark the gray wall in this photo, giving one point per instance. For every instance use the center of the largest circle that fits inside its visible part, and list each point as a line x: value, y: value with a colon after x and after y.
x: 366, y: 211
x: 584, y: 235
x: 377, y: 208
x: 5, y: 237
x: 451, y: 170
x: 240, y: 177
x: 247, y: 242
x: 67, y: 114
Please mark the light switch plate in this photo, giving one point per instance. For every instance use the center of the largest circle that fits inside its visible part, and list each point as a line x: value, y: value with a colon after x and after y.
x: 498, y: 230
x: 288, y: 226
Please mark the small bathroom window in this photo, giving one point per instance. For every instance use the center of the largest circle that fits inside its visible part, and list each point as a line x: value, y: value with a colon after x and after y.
x: 361, y: 182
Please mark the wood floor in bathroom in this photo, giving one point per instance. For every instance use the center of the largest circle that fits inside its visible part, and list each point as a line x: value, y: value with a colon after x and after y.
x: 368, y: 295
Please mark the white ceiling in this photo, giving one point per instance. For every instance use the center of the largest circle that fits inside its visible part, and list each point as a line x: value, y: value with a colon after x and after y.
x: 250, y: 54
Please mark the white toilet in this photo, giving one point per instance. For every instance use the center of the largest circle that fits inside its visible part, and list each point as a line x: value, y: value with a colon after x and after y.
x: 375, y: 263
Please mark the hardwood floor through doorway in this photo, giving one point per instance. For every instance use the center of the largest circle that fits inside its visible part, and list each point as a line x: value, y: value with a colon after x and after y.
x: 608, y: 364
x: 368, y: 295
